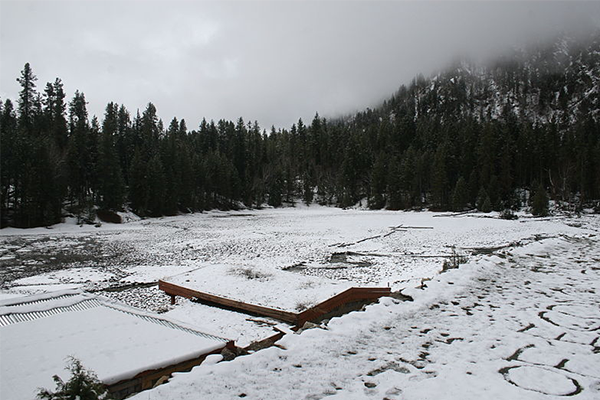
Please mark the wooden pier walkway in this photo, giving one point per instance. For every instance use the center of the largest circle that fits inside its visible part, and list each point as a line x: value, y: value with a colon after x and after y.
x: 349, y: 296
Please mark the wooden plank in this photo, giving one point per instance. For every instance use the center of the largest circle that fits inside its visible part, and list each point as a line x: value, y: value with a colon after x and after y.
x: 348, y: 296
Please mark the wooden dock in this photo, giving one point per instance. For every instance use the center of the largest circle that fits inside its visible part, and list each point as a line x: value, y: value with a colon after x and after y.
x: 349, y: 296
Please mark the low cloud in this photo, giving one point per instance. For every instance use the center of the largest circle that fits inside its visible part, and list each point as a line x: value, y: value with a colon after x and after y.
x: 268, y: 61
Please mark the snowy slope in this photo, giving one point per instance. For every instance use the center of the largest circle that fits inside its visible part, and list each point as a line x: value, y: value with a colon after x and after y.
x: 541, y: 84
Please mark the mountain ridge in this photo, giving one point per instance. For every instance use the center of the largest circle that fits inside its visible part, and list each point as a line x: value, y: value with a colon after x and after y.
x: 524, y: 81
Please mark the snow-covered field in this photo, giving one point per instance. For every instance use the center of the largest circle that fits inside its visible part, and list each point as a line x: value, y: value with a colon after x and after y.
x: 519, y: 319
x: 523, y: 325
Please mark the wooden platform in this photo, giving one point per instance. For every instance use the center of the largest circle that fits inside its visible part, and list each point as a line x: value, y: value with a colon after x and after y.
x: 351, y: 295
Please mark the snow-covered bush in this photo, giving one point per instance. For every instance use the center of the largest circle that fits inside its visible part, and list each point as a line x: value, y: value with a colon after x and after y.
x: 83, y: 385
x: 250, y: 273
x: 454, y: 260
x: 508, y: 214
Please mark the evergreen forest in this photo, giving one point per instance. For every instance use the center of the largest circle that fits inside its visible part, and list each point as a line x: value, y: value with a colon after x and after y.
x: 520, y: 130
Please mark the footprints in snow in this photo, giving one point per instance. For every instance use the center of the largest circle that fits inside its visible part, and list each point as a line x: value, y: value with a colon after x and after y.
x: 560, y: 358
x: 534, y: 378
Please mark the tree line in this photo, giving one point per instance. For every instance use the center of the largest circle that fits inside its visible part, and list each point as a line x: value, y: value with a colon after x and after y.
x: 433, y: 144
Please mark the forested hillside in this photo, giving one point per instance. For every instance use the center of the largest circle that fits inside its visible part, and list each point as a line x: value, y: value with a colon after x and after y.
x: 479, y: 136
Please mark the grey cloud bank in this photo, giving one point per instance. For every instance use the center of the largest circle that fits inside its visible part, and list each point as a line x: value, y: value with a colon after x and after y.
x: 268, y: 61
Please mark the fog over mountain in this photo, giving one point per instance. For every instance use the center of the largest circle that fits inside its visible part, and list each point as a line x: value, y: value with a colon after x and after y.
x: 268, y: 61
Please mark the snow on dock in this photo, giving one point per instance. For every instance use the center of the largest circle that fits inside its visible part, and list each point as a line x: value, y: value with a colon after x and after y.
x: 129, y: 350
x: 283, y: 295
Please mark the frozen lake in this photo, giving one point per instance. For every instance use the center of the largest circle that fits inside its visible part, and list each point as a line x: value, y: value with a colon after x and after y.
x: 403, y: 250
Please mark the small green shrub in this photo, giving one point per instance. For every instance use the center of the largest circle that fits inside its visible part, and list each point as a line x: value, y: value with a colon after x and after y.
x: 83, y: 385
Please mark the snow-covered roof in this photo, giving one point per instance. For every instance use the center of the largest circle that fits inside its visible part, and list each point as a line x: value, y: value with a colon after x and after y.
x: 38, y: 334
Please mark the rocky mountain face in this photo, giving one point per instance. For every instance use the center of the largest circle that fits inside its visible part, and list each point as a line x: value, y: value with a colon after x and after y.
x: 527, y: 119
x: 556, y: 83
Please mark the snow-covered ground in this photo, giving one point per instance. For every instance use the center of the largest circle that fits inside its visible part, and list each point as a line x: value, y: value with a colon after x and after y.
x: 456, y: 338
x: 523, y: 324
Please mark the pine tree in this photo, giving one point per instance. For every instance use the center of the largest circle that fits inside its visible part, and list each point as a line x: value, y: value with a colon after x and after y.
x: 473, y: 187
x: 486, y: 207
x: 351, y: 173
x: 27, y: 97
x: 316, y: 144
x: 23, y: 143
x: 411, y: 178
x: 505, y: 180
x: 156, y: 188
x: 307, y: 188
x: 239, y: 160
x: 138, y: 191
x: 378, y: 183
x: 199, y: 195
x: 486, y: 149
x: 170, y: 160
x: 124, y: 141
x: 275, y: 188
x: 45, y: 201
x: 493, y: 191
x: 186, y: 184
x: 55, y: 113
x: 111, y: 188
x: 481, y: 199
x: 460, y: 195
x: 212, y: 170
x: 394, y: 185
x: 149, y: 132
x: 439, y: 180
x: 36, y: 177
x: 9, y: 168
x: 80, y: 157
x: 539, y: 202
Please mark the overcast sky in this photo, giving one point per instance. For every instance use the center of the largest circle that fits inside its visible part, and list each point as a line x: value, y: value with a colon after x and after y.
x: 272, y: 61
